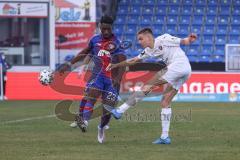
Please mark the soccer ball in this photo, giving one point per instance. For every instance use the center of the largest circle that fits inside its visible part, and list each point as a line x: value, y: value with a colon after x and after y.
x: 46, y: 77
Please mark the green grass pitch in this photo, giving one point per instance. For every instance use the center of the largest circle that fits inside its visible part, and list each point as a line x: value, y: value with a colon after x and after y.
x: 204, y: 131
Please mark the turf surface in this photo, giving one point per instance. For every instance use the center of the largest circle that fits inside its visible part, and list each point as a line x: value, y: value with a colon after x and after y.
x: 206, y: 131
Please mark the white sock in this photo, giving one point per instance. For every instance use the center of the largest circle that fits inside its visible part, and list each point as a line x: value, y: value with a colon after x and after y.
x: 123, y: 108
x: 165, y: 118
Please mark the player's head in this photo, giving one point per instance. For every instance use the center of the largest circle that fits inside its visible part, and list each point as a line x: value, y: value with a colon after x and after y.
x: 145, y: 37
x: 106, y: 26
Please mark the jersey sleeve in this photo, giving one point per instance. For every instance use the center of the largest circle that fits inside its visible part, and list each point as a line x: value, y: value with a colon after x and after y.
x: 171, y: 40
x: 143, y: 55
x: 90, y: 45
x: 119, y: 50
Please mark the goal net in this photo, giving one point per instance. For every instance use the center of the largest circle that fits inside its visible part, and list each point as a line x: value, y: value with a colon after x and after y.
x: 232, y: 57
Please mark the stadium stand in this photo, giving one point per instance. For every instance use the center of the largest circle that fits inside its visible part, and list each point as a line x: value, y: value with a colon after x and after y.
x: 216, y: 22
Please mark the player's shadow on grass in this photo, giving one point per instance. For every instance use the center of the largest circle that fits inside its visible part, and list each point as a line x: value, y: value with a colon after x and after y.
x: 62, y: 111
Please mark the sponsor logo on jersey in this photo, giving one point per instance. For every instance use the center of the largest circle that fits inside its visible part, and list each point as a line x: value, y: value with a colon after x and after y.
x: 102, y: 53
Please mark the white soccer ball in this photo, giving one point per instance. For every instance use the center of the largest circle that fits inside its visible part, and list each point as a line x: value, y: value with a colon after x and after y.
x: 46, y: 77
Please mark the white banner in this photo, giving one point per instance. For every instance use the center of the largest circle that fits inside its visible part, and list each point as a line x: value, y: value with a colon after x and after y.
x: 75, y: 10
x: 23, y: 9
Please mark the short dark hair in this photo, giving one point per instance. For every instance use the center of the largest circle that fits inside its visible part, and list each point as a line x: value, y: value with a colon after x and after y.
x: 106, y: 19
x: 145, y: 30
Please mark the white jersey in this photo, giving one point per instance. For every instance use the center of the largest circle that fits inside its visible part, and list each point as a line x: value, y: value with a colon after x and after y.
x: 166, y: 48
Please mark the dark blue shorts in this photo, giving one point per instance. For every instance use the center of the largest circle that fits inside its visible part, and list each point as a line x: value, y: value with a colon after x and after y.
x: 105, y: 85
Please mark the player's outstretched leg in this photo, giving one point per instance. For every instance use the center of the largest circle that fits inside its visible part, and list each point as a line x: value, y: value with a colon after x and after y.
x: 131, y: 101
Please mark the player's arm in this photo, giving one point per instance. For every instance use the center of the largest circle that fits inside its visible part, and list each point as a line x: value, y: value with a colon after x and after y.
x: 83, y: 65
x: 117, y: 73
x: 189, y: 39
x: 77, y: 58
x: 125, y: 63
x: 82, y: 54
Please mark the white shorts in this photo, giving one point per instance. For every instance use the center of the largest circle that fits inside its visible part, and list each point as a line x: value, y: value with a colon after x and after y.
x: 177, y: 73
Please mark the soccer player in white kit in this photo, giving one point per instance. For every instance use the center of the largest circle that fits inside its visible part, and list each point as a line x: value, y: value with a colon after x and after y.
x: 164, y: 48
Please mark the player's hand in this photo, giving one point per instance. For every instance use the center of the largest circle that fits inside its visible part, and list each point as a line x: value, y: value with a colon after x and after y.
x: 110, y: 67
x: 81, y: 70
x: 192, y: 37
x: 63, y: 68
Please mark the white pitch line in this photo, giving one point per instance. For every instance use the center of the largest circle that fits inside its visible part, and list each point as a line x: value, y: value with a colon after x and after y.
x: 29, y: 119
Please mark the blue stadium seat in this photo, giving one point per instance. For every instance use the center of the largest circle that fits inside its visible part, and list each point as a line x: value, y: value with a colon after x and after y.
x: 174, y: 2
x: 124, y: 2
x: 220, y: 39
x: 235, y: 11
x: 184, y: 19
x: 236, y: 3
x: 131, y: 29
x: 193, y: 50
x: 143, y: 25
x: 158, y: 20
x: 223, y: 20
x: 157, y: 29
x: 224, y: 10
x: 218, y: 58
x: 234, y: 39
x: 133, y: 19
x: 199, y: 10
x: 185, y: 48
x: 212, y: 3
x: 208, y: 29
x: 193, y: 58
x: 186, y: 10
x: 196, y: 29
x: 118, y: 29
x: 138, y: 46
x: 225, y: 2
x: 148, y: 2
x: 211, y: 10
x: 235, y: 20
x: 161, y: 10
x: 170, y: 29
x: 183, y: 30
x: 187, y: 2
x: 123, y: 10
x: 222, y: 29
x: 135, y: 10
x: 198, y: 41
x: 205, y: 58
x: 208, y: 39
x: 220, y: 50
x: 146, y: 19
x: 162, y: 2
x: 171, y: 19
x: 198, y: 19
x: 207, y: 50
x: 234, y: 30
x: 210, y: 20
x: 173, y: 10
x: 121, y: 19
x: 136, y: 2
x: 129, y: 37
x: 201, y: 2
x: 147, y: 10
